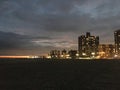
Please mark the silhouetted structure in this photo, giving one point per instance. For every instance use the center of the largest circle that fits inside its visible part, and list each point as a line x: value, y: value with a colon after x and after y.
x: 88, y: 45
x: 64, y: 53
x: 72, y: 54
x: 55, y: 54
x: 117, y: 41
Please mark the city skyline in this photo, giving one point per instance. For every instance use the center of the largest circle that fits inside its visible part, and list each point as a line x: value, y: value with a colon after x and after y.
x: 34, y: 27
x: 89, y: 47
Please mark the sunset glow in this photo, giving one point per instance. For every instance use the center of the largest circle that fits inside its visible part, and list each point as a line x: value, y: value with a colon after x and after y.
x: 14, y: 56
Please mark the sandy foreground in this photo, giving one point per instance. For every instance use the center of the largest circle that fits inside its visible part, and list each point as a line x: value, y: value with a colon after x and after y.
x: 37, y: 74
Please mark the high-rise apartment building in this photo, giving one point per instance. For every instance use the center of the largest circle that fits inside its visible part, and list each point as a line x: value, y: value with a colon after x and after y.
x: 117, y: 41
x: 88, y: 45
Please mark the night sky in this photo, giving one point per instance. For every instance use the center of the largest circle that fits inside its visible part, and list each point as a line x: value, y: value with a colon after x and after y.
x: 34, y: 27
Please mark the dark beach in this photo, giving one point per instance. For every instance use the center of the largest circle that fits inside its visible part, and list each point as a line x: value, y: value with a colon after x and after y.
x: 39, y: 74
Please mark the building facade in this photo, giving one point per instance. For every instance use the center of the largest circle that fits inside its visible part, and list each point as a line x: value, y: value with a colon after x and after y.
x: 106, y: 50
x: 88, y: 45
x: 72, y: 54
x: 117, y: 42
x: 55, y: 54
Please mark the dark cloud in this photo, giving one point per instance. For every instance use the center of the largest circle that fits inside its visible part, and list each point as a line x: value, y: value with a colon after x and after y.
x: 30, y: 24
x: 11, y: 40
x: 67, y: 15
x: 16, y: 44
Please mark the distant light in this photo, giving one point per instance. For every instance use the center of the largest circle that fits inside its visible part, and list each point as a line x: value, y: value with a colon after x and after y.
x: 33, y: 57
x: 85, y: 58
x: 101, y: 52
x: 48, y: 57
x: 67, y: 55
x: 14, y: 56
x: 62, y: 56
x: 116, y: 55
x: 93, y: 53
x: 84, y: 54
x: 97, y: 57
x: 77, y: 54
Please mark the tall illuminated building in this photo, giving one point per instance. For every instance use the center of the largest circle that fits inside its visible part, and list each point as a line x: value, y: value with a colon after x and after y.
x: 117, y: 41
x: 81, y: 44
x: 88, y: 45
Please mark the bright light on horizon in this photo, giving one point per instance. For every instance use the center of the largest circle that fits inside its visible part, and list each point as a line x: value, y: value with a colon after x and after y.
x: 14, y: 56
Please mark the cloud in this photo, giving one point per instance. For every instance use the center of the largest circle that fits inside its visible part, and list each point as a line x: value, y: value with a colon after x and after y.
x: 47, y: 24
x: 59, y: 16
x: 29, y: 45
x: 11, y: 40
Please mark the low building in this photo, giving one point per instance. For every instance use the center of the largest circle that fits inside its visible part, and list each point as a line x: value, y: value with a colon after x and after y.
x: 106, y: 50
x: 55, y: 54
x: 73, y: 54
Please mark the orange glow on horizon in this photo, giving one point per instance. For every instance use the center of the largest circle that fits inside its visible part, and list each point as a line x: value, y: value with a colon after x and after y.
x: 14, y: 56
